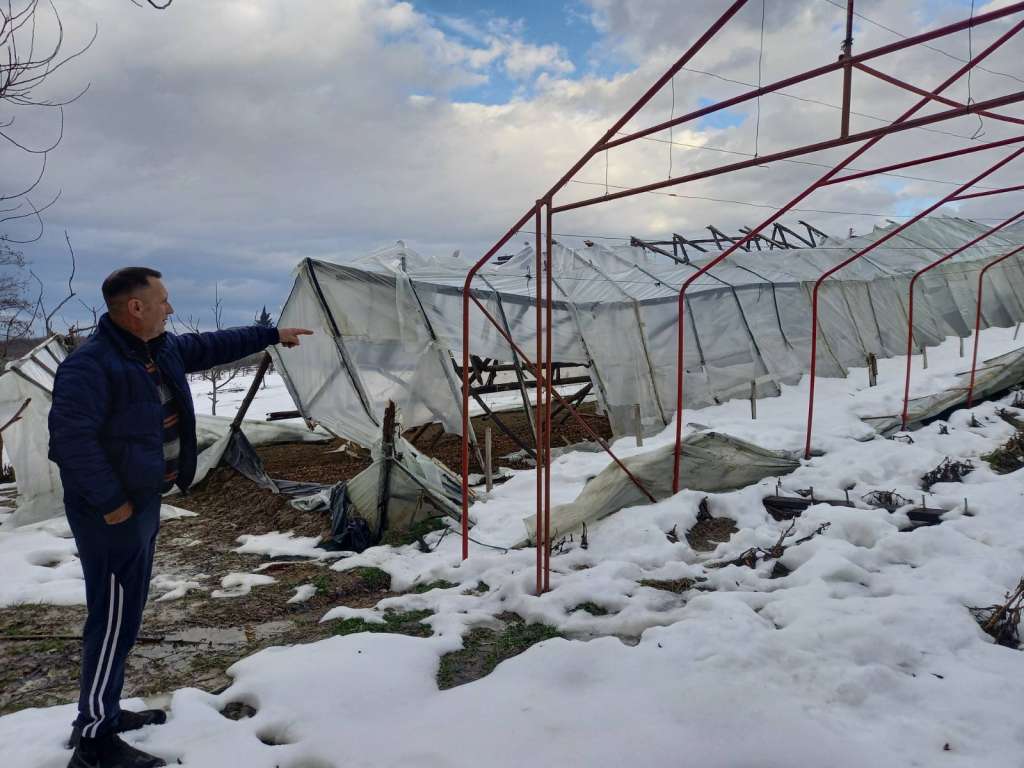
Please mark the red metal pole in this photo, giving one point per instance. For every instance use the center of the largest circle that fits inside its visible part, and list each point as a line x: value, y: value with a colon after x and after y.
x: 794, y: 202
x: 941, y: 99
x: 977, y: 319
x: 847, y: 70
x: 892, y: 233
x: 548, y: 389
x: 466, y: 295
x: 538, y: 410
x: 910, y: 304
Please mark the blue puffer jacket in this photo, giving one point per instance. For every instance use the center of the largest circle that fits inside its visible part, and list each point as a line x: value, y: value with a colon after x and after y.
x: 106, y: 421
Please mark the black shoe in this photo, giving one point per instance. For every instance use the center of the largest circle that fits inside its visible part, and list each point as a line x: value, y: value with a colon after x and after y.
x: 132, y: 721
x: 128, y: 721
x: 110, y: 751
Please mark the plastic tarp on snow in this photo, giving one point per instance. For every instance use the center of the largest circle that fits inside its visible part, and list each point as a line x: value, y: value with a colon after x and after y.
x: 27, y: 440
x: 992, y: 377
x: 713, y: 462
x: 389, y: 325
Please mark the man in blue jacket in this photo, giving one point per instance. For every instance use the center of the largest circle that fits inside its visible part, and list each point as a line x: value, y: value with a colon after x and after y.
x: 123, y: 431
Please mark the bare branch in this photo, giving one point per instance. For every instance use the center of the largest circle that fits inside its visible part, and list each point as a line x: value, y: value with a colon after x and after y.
x: 24, y: 66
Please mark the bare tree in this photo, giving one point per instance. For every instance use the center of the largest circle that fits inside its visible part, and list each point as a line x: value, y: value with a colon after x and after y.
x: 25, y: 65
x: 15, y: 308
x: 221, y: 376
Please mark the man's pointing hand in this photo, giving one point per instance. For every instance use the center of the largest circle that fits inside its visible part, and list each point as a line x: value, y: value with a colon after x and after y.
x: 290, y: 336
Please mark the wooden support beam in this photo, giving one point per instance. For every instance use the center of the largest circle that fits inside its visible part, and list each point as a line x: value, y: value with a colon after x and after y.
x: 574, y: 401
x: 510, y: 386
x: 503, y: 426
x: 253, y: 388
x: 280, y: 415
x: 419, y: 432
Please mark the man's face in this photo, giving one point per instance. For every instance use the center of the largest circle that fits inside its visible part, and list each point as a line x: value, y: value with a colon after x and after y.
x: 150, y: 308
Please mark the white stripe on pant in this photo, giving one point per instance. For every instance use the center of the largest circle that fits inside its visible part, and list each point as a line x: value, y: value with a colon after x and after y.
x: 107, y: 650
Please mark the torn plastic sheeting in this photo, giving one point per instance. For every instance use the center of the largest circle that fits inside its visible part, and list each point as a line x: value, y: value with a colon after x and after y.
x: 394, y: 493
x: 992, y: 377
x: 711, y: 461
x: 389, y: 321
x: 210, y: 429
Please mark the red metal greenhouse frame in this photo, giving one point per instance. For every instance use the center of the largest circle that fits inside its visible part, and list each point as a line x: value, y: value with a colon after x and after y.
x: 543, y: 211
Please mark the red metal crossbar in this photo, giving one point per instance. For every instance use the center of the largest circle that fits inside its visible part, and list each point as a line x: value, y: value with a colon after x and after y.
x: 910, y: 302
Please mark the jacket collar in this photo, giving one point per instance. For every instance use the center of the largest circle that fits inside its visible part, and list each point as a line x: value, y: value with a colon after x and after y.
x: 129, y: 344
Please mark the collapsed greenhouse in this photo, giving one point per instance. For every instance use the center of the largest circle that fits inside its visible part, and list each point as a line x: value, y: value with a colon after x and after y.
x: 389, y: 325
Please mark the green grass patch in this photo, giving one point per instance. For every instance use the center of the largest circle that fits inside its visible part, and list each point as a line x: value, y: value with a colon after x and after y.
x: 419, y: 589
x: 322, y: 582
x: 484, y: 649
x: 592, y: 608
x: 396, y: 623
x: 401, y: 538
x: 374, y: 579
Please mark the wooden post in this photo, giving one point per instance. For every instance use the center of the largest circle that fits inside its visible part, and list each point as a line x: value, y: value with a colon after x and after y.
x: 488, y: 477
x: 1015, y: 332
x: 872, y: 370
x: 638, y: 425
x: 961, y: 340
x: 236, y: 423
x: 753, y: 399
x: 924, y: 356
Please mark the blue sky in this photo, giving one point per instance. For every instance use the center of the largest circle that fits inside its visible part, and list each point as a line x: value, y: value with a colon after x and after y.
x: 567, y: 25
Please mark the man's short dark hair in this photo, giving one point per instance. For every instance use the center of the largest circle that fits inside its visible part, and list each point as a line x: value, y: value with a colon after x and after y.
x: 125, y: 280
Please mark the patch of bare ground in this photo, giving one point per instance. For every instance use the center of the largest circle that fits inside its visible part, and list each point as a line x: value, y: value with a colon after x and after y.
x: 708, y: 533
x: 185, y: 642
x: 193, y: 640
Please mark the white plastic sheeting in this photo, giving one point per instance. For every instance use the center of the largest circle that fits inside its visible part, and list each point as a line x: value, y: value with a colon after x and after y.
x: 27, y: 440
x: 714, y: 463
x: 992, y: 377
x: 389, y: 325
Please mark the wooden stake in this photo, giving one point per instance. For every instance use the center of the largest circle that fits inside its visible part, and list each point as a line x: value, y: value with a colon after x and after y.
x: 639, y: 426
x: 753, y: 399
x: 488, y: 475
x: 261, y: 371
x: 1016, y: 331
x: 961, y: 338
x: 872, y: 370
x: 924, y: 357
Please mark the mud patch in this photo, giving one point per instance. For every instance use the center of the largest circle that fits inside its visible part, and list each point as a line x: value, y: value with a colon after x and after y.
x: 238, y: 710
x: 707, y: 534
x: 678, y: 586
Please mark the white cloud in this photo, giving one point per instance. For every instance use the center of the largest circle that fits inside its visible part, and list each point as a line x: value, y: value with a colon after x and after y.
x: 238, y: 139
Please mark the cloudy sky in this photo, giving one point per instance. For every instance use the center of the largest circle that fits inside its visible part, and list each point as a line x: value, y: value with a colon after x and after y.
x: 222, y: 141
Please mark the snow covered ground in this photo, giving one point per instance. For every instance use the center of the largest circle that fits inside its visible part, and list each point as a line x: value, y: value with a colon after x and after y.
x: 864, y: 655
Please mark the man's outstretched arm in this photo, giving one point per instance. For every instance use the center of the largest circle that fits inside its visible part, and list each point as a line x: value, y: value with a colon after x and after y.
x: 202, y: 351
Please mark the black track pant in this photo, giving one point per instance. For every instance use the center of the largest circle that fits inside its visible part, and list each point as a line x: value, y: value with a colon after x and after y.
x: 118, y: 564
